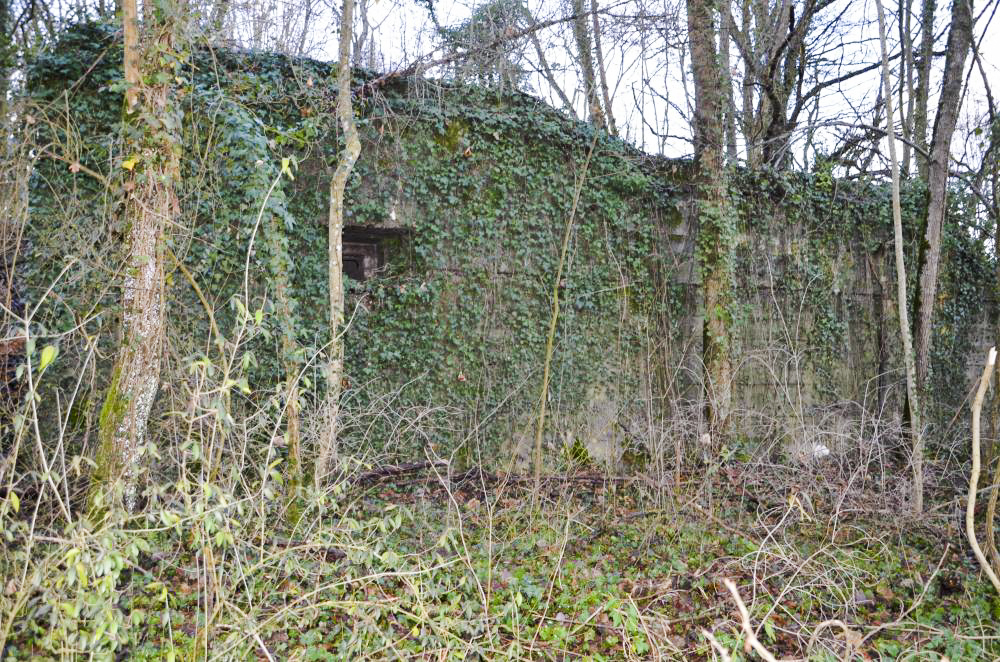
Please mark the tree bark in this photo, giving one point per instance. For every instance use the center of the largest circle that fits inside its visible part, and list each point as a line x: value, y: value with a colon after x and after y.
x: 715, y: 226
x: 970, y: 505
x: 130, y: 19
x: 749, y: 115
x: 581, y: 33
x: 916, y: 433
x: 724, y: 68
x: 345, y: 164
x: 923, y: 67
x: 602, y: 71
x: 220, y: 10
x: 959, y: 38
x: 153, y: 172
x: 906, y: 79
x: 294, y: 471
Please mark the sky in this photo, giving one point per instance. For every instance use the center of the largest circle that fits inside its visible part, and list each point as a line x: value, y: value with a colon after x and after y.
x: 650, y: 94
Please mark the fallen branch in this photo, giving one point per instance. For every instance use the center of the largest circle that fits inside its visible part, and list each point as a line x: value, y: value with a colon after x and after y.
x: 970, y: 508
x: 392, y: 470
x: 752, y: 641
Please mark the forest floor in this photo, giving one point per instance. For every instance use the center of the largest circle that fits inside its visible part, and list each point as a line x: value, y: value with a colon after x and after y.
x: 417, y: 566
x: 595, y: 569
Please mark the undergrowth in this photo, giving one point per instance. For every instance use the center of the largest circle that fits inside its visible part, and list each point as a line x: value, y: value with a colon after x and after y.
x: 422, y: 565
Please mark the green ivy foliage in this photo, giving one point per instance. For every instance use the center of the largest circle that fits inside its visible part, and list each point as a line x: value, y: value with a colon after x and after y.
x: 483, y: 183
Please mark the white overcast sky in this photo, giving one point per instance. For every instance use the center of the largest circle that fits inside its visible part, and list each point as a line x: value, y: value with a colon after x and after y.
x: 649, y: 93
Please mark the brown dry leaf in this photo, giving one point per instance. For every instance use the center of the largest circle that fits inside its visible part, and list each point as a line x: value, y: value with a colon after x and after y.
x: 885, y: 593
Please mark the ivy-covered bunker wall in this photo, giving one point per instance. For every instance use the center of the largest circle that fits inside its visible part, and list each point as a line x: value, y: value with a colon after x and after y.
x: 465, y: 195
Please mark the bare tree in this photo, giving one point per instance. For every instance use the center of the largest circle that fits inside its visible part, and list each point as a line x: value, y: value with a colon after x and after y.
x: 906, y: 81
x: 285, y: 27
x: 923, y: 67
x: 916, y: 433
x: 602, y: 70
x: 345, y: 164
x: 584, y: 51
x: 937, y: 168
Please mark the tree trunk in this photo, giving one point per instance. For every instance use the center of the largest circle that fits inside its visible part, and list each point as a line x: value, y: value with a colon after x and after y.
x: 995, y: 418
x: 750, y: 125
x: 949, y: 104
x: 543, y: 64
x: 7, y: 57
x: 916, y: 433
x: 715, y: 224
x: 727, y: 82
x: 220, y: 10
x: 923, y: 66
x: 602, y: 71
x: 286, y: 308
x: 153, y: 172
x: 906, y: 79
x: 345, y: 163
x: 581, y: 33
x: 130, y: 18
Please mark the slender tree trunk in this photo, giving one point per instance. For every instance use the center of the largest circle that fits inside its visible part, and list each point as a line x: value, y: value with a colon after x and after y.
x: 991, y: 175
x: 716, y: 234
x: 959, y: 38
x: 970, y: 504
x: 294, y: 469
x: 153, y: 172
x: 550, y: 341
x: 916, y: 432
x: 345, y: 164
x: 996, y: 248
x: 991, y: 463
x: 543, y: 63
x: 602, y: 71
x: 581, y: 33
x: 306, y: 20
x: 906, y: 88
x: 362, y: 37
x: 751, y: 116
x: 7, y: 57
x: 220, y: 9
x: 995, y: 442
x: 727, y: 83
x: 923, y: 66
x: 130, y: 19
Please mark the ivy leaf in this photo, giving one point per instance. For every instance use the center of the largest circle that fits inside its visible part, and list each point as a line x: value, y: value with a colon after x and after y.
x: 130, y: 163
x: 286, y: 167
x: 48, y: 356
x: 81, y: 574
